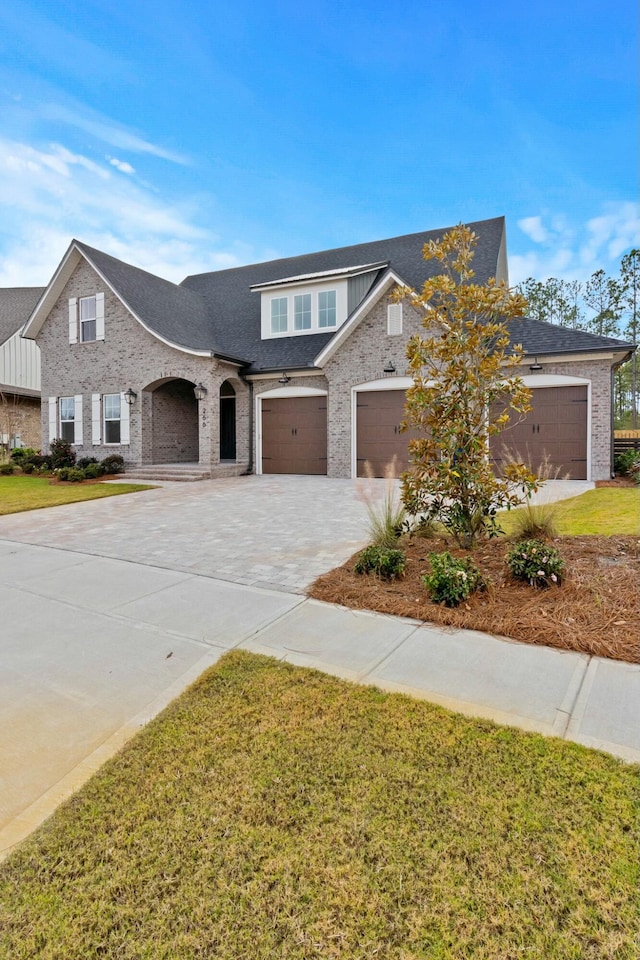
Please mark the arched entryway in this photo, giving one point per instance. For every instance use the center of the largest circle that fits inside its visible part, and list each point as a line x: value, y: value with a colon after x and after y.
x: 174, y: 422
x: 227, y: 423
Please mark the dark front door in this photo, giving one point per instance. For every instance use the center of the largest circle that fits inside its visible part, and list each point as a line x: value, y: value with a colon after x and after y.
x: 294, y: 435
x: 227, y: 428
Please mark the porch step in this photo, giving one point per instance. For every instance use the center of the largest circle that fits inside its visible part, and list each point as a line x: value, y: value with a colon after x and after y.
x: 184, y: 472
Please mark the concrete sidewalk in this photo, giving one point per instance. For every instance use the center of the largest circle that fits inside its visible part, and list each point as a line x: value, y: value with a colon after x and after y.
x: 93, y: 647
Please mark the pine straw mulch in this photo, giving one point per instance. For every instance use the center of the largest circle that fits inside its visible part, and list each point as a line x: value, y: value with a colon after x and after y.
x: 595, y: 611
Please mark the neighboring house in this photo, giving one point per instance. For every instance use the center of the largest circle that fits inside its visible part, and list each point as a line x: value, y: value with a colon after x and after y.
x: 19, y: 370
x: 292, y: 366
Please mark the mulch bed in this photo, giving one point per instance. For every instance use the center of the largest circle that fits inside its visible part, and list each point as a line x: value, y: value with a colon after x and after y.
x: 595, y: 611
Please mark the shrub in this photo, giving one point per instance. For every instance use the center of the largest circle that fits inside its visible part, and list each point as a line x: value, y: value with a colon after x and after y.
x: 93, y: 470
x: 539, y: 520
x: 384, y: 562
x: 70, y: 474
x: 6, y: 469
x: 62, y: 454
x: 536, y: 563
x: 451, y: 580
x: 114, y: 463
x: 19, y: 453
x: 28, y: 466
x: 634, y: 472
x: 624, y: 463
x: 84, y: 462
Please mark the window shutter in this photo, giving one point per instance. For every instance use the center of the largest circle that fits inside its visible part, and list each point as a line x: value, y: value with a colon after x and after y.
x: 99, y: 316
x: 73, y: 320
x: 96, y: 419
x: 77, y: 429
x: 394, y: 319
x: 124, y: 419
x: 53, y: 418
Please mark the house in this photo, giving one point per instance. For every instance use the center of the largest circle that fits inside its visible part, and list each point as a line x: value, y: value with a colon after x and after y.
x: 19, y: 370
x: 293, y: 366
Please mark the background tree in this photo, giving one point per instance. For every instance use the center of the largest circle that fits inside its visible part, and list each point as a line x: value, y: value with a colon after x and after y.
x: 630, y: 281
x: 603, y: 295
x: 462, y: 395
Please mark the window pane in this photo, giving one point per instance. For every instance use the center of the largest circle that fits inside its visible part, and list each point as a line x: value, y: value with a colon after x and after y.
x: 68, y: 430
x: 302, y: 311
x: 87, y: 308
x: 112, y: 431
x: 112, y: 406
x: 327, y: 308
x: 87, y: 331
x: 67, y: 408
x: 279, y: 315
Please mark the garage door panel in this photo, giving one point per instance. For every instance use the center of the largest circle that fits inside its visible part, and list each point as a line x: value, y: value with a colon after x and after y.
x: 554, y: 429
x: 294, y: 435
x: 378, y: 435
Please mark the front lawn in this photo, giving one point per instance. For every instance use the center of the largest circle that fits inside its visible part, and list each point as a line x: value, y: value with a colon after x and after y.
x: 595, y: 611
x: 273, y: 811
x: 20, y: 493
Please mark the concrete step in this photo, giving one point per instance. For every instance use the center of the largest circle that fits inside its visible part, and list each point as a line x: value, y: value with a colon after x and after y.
x: 185, y: 472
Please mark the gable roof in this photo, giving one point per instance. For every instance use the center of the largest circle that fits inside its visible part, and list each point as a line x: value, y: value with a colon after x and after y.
x: 234, y: 307
x: 16, y: 304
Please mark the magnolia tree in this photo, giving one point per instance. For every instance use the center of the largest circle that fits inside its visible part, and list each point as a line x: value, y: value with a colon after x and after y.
x: 464, y: 393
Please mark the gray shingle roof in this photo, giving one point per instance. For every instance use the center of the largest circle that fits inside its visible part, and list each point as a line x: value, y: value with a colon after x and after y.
x: 234, y: 309
x: 219, y: 312
x: 538, y: 338
x: 174, y: 312
x: 16, y: 305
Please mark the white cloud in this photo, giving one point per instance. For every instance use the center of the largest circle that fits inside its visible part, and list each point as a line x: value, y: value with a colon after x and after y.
x: 534, y: 229
x: 50, y: 194
x: 574, y: 252
x: 121, y: 165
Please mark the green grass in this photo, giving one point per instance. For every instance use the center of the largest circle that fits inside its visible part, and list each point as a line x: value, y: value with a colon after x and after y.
x: 276, y: 812
x: 32, y: 493
x: 606, y: 511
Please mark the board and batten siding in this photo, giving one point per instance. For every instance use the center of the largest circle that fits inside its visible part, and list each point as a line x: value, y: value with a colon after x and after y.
x: 20, y: 363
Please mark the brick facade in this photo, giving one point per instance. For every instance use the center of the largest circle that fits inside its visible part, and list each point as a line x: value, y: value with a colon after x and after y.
x: 130, y: 356
x: 20, y: 418
x: 167, y: 425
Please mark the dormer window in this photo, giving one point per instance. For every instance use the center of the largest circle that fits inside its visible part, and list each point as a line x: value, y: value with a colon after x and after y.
x: 279, y: 314
x: 302, y: 311
x: 327, y: 308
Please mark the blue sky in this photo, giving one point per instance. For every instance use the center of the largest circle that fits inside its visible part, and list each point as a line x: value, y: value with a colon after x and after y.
x: 190, y: 136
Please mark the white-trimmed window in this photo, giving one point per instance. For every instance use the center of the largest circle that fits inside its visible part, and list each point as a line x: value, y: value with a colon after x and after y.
x: 394, y: 319
x: 68, y: 419
x: 112, y: 404
x: 302, y: 311
x: 279, y: 315
x: 327, y: 316
x: 86, y: 319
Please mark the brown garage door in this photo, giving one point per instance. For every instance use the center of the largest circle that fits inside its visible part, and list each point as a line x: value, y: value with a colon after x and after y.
x: 555, y: 427
x: 378, y: 436
x: 294, y: 435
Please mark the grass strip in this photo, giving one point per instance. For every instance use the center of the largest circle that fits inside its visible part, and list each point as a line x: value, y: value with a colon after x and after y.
x: 21, y: 493
x: 273, y: 811
x: 606, y: 511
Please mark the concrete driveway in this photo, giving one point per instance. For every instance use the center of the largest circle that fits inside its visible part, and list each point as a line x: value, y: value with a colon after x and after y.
x: 111, y: 608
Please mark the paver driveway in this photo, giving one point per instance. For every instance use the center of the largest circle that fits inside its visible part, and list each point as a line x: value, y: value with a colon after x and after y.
x: 270, y: 531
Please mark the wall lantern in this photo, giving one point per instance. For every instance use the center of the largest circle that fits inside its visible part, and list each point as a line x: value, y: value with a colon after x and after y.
x: 200, y: 391
x: 535, y: 366
x: 284, y: 379
x: 130, y: 396
x: 390, y: 368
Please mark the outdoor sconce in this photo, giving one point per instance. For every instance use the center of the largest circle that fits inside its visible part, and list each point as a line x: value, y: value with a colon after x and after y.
x: 284, y: 379
x: 535, y: 366
x: 200, y: 391
x: 390, y: 368
x: 130, y: 396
